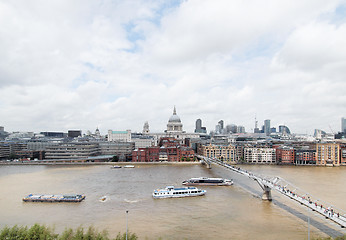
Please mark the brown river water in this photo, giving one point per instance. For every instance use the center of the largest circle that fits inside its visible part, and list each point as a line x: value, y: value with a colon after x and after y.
x: 228, y: 212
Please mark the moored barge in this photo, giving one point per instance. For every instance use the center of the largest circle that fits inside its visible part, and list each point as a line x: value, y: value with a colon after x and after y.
x: 208, y: 181
x: 54, y: 198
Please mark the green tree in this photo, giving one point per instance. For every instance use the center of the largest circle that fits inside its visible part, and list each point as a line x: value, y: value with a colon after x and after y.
x: 130, y: 236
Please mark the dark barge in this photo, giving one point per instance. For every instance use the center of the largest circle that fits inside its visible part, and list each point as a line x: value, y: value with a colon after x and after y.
x: 54, y: 198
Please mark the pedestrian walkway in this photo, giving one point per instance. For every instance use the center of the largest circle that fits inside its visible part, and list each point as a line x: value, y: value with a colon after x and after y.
x: 284, y: 187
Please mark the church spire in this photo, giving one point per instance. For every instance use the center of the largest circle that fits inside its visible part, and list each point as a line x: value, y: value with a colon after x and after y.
x: 174, y: 111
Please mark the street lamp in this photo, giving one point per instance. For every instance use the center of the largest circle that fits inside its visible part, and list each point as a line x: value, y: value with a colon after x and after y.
x: 127, y: 211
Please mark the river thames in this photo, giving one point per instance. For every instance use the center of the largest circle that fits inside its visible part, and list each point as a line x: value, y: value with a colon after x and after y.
x: 227, y: 212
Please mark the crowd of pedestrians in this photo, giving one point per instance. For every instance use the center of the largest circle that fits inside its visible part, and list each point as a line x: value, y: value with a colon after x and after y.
x: 327, y: 211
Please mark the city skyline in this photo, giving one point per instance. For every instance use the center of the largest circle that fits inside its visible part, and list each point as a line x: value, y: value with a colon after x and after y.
x: 116, y: 65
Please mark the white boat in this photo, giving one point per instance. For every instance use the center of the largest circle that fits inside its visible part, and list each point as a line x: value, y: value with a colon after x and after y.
x: 172, y: 192
x: 208, y: 181
x: 129, y: 166
x: 116, y: 166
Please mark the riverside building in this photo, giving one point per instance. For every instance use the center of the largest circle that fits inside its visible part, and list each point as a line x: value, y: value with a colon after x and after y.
x: 260, y: 155
x: 223, y: 152
x: 305, y: 156
x: 328, y: 154
x: 72, y: 150
x: 285, y: 155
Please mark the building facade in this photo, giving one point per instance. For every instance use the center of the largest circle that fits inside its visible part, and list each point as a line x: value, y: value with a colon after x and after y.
x: 343, y: 154
x: 260, y: 155
x: 163, y: 154
x: 285, y: 155
x: 119, y: 136
x: 343, y: 125
x: 222, y: 152
x: 305, y: 156
x: 121, y: 149
x: 72, y: 150
x: 328, y: 154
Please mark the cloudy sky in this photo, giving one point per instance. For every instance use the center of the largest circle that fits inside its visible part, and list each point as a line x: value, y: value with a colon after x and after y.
x: 116, y: 64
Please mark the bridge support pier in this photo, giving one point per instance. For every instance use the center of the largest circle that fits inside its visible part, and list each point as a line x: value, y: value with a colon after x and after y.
x: 267, y: 194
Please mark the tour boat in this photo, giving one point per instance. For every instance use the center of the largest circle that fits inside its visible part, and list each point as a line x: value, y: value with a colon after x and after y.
x: 129, y: 166
x: 172, y: 192
x: 116, y: 166
x: 53, y: 198
x: 208, y: 181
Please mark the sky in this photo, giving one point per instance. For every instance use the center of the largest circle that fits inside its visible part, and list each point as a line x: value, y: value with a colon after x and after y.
x: 117, y: 64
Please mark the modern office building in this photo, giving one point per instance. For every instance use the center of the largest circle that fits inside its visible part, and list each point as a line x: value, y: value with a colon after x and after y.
x: 72, y: 150
x: 121, y: 149
x: 146, y: 128
x: 74, y: 133
x: 11, y: 148
x: 199, y: 128
x: 343, y: 125
x: 284, y: 130
x: 221, y: 123
x: 240, y: 129
x: 266, y: 127
x: 41, y: 144
x: 54, y: 134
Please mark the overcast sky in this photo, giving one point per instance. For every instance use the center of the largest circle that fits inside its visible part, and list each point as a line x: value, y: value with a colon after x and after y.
x: 116, y: 64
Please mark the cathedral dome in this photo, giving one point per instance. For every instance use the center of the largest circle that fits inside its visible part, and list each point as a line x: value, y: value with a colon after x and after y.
x: 174, y: 117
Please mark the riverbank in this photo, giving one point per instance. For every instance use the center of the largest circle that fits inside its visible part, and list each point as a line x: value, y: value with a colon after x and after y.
x: 96, y: 163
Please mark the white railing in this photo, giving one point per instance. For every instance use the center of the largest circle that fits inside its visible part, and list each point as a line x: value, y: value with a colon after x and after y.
x: 284, y: 187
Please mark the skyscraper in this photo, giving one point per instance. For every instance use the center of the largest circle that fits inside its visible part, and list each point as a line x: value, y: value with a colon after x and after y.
x: 267, y: 127
x: 343, y: 125
x: 198, y: 124
x: 221, y: 124
x: 199, y: 128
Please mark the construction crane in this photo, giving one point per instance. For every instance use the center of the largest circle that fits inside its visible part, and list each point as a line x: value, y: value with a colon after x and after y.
x: 331, y: 129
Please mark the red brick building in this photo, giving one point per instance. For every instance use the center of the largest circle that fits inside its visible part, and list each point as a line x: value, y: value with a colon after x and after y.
x: 169, y: 151
x: 285, y: 155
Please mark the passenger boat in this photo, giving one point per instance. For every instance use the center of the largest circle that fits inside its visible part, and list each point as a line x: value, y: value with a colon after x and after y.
x: 129, y: 166
x: 116, y: 166
x: 172, y: 192
x: 54, y: 198
x: 208, y: 181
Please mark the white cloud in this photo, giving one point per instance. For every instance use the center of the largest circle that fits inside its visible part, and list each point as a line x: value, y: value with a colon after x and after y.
x: 116, y: 64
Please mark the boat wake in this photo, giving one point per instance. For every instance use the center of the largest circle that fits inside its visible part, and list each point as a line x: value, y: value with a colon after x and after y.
x: 104, y: 199
x: 132, y: 201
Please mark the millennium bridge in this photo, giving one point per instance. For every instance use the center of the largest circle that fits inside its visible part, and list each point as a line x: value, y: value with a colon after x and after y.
x: 285, y: 188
